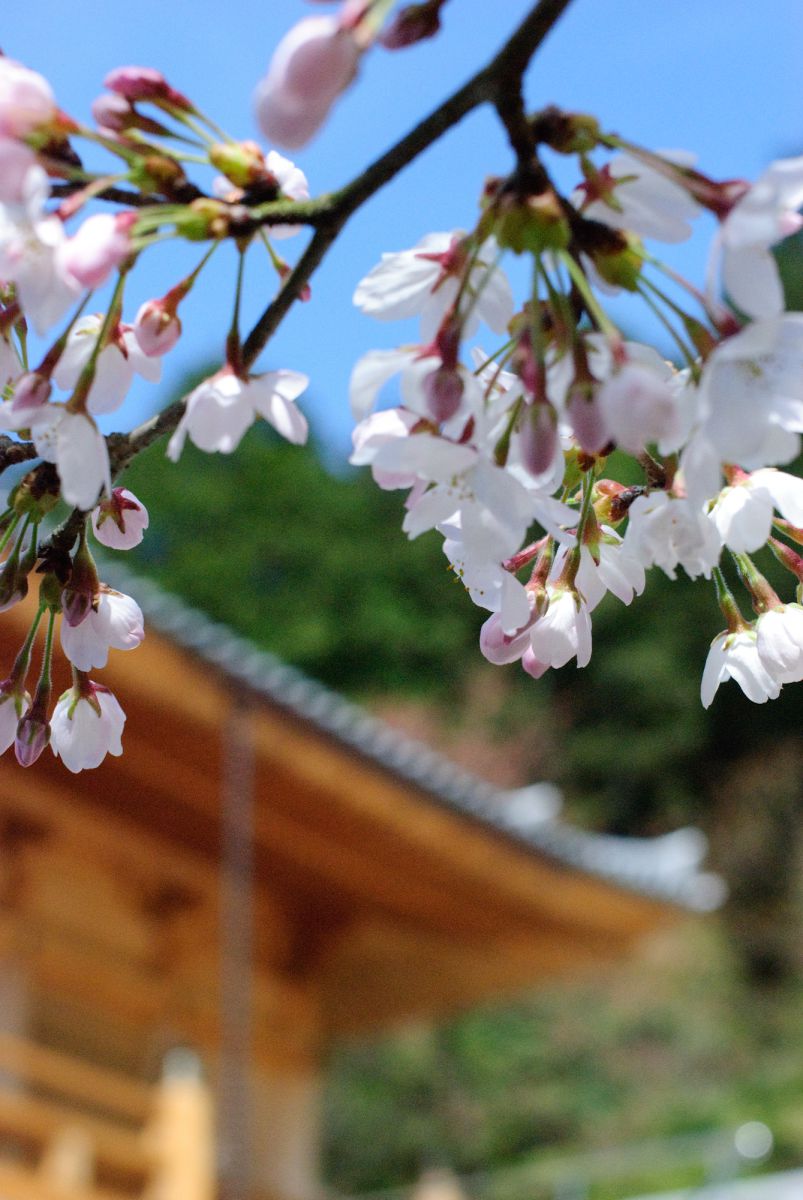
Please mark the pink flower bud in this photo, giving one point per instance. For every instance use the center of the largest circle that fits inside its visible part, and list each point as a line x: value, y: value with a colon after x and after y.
x: 16, y: 160
x: 75, y: 605
x: 145, y: 83
x: 444, y: 391
x: 30, y: 392
x: 100, y: 245
x: 538, y: 437
x: 26, y: 100
x: 412, y: 24
x: 531, y: 664
x: 312, y: 64
x: 115, y: 114
x: 157, y: 328
x: 33, y: 734
x: 586, y: 421
x: 500, y: 647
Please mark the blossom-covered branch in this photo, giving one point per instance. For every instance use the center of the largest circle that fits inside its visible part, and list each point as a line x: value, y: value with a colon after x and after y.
x: 514, y: 454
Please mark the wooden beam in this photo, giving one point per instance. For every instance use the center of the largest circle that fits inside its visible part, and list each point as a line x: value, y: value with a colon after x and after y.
x: 73, y: 1079
x: 20, y: 1183
x: 35, y: 1121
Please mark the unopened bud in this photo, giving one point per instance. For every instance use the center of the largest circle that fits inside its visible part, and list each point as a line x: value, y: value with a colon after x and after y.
x: 412, y: 24
x: 567, y: 133
x: 145, y: 83
x: 531, y: 224
x: 586, y: 420
x: 81, y: 591
x: 538, y: 437
x: 531, y: 664
x: 243, y: 163
x: 37, y: 493
x: 620, y: 266
x: 443, y: 389
x: 500, y: 647
x: 156, y: 328
x: 33, y: 734
x: 159, y: 173
x: 30, y: 392
x: 115, y: 114
x: 203, y: 219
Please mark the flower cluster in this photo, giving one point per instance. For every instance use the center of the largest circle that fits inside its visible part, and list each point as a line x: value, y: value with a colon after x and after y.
x: 514, y: 456
x: 57, y: 251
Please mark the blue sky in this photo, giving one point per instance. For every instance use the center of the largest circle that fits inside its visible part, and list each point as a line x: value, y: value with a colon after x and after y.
x: 720, y: 77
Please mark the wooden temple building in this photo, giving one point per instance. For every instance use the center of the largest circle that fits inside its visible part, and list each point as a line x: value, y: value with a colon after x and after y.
x: 267, y: 868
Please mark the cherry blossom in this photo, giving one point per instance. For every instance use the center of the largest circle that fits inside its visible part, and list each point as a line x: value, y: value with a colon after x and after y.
x: 14, y: 704
x: 425, y: 281
x: 87, y: 724
x: 114, y: 622
x: 26, y: 100
x: 100, y: 245
x: 220, y: 410
x: 779, y: 640
x: 120, y: 520
x: 751, y: 393
x: 627, y: 194
x: 767, y: 213
x: 734, y: 655
x: 668, y: 532
x: 117, y: 363
x: 563, y: 631
x: 30, y: 240
x: 74, y: 443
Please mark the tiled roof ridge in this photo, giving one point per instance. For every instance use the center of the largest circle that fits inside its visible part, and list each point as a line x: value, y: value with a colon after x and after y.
x: 665, y: 868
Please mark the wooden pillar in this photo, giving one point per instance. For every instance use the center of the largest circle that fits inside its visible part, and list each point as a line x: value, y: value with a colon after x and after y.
x: 286, y: 1092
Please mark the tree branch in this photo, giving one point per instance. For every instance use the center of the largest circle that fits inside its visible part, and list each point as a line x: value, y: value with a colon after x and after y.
x: 498, y: 83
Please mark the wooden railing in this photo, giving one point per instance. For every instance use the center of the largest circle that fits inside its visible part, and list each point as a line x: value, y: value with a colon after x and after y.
x: 72, y: 1131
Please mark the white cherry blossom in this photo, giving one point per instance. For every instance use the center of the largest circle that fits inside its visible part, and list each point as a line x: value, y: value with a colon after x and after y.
x: 425, y: 281
x: 611, y: 568
x: 220, y: 410
x: 74, y: 443
x: 766, y: 214
x: 117, y: 364
x: 639, y: 198
x: 735, y: 656
x: 780, y: 642
x: 85, y: 728
x: 29, y: 243
x: 116, y: 622
x: 751, y: 393
x: 563, y: 631
x: 668, y: 532
x: 638, y: 406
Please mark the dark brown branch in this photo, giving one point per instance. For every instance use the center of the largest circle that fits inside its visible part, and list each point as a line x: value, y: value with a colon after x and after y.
x: 116, y: 195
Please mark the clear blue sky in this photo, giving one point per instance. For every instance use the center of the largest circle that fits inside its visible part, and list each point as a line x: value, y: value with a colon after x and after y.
x: 721, y: 77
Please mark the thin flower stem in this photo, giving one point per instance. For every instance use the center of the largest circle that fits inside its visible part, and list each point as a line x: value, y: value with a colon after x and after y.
x: 6, y: 538
x: 77, y: 402
x: 686, y: 353
x: 47, y: 657
x: 595, y: 309
x: 233, y: 342
x: 23, y: 659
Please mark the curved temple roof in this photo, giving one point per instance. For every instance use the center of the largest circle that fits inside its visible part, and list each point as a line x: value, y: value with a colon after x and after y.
x: 666, y: 868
